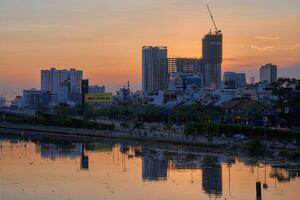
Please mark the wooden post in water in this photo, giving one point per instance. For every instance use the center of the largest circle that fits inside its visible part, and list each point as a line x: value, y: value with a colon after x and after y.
x: 258, y: 191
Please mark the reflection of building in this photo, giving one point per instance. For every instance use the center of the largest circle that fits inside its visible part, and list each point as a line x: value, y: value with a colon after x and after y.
x: 212, y: 176
x: 55, y: 151
x: 285, y: 174
x: 154, y: 166
x: 99, y: 146
x: 155, y: 68
x: 187, y: 162
x: 84, y: 160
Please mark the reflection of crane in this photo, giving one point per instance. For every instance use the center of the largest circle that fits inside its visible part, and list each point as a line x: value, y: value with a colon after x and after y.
x: 212, y: 18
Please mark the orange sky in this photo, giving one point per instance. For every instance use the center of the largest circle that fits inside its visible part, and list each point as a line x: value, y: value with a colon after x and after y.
x: 105, y: 38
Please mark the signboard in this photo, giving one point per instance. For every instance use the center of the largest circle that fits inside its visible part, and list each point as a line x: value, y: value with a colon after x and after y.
x: 98, y: 97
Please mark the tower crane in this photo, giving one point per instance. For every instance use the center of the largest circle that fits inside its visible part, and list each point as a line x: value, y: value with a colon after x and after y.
x: 212, y: 18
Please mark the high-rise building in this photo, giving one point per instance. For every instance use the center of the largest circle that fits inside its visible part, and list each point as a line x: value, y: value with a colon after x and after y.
x: 212, y: 45
x: 62, y: 84
x: 185, y: 65
x: 234, y: 80
x: 154, y: 68
x: 268, y: 73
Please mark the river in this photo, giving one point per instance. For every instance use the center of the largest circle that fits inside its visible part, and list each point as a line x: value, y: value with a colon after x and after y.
x: 34, y: 168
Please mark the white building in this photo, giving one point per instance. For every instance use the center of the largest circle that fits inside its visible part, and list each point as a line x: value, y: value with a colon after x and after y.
x: 61, y: 83
x: 268, y: 73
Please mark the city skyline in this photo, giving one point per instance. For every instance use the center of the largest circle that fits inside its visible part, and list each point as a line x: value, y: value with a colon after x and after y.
x: 132, y: 99
x: 53, y: 34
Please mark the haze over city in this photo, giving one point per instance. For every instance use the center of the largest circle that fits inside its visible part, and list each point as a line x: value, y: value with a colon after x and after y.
x: 149, y: 99
x: 104, y: 38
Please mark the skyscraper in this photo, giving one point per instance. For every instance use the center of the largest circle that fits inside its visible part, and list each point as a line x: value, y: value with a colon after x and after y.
x: 61, y: 83
x: 212, y: 45
x: 155, y: 68
x: 268, y: 73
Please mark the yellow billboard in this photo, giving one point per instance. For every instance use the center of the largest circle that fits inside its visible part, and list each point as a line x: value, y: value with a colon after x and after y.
x: 98, y: 97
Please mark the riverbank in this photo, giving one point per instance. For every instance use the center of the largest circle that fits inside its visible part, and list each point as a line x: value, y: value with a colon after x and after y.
x: 232, y: 146
x: 139, y: 135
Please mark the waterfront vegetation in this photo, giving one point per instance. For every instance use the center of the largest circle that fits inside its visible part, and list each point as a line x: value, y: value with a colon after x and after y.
x: 60, y: 121
x: 195, y: 120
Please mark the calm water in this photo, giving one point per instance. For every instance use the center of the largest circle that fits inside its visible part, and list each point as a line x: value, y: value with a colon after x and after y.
x: 35, y: 169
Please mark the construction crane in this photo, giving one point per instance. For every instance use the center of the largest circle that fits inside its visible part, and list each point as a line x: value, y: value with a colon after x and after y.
x: 212, y: 18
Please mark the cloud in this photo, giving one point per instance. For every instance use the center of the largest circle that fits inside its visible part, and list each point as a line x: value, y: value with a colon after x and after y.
x: 290, y: 47
x: 264, y: 48
x: 269, y: 48
x: 231, y: 59
x: 267, y: 38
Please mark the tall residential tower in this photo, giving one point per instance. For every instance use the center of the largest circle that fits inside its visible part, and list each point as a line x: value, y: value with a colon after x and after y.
x: 268, y: 73
x: 155, y: 68
x: 62, y: 84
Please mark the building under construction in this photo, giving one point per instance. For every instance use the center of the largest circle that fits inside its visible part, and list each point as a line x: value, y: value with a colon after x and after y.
x: 185, y: 65
x: 212, y: 55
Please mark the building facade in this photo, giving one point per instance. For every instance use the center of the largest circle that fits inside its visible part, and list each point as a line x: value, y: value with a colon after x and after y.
x: 182, y: 81
x: 154, y: 68
x: 212, y: 55
x: 96, y: 89
x: 268, y: 73
x: 32, y: 98
x: 62, y: 84
x: 185, y: 65
x: 234, y: 80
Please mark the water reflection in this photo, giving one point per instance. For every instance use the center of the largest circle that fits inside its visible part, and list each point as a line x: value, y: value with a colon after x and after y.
x: 155, y: 165
x: 218, y: 175
x: 212, y: 176
x: 56, y: 151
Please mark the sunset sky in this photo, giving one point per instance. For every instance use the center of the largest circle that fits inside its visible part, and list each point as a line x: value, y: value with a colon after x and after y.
x: 104, y: 37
